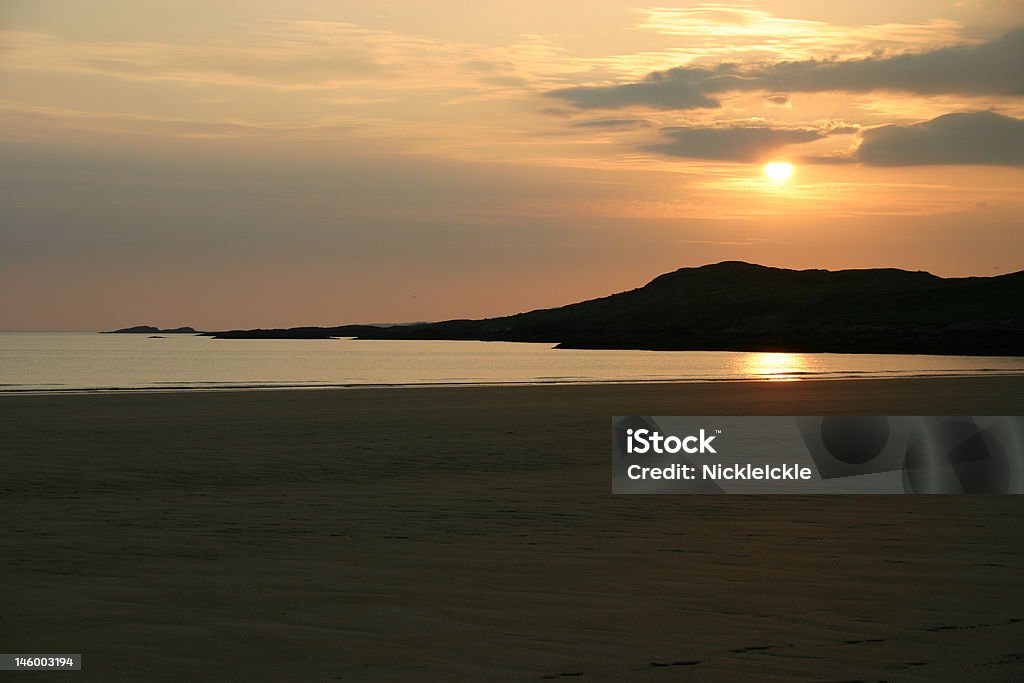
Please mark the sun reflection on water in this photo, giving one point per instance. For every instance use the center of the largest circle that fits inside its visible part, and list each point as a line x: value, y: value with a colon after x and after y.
x: 784, y: 367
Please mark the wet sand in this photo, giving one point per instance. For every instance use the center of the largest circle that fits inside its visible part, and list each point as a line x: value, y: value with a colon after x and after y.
x: 470, y: 534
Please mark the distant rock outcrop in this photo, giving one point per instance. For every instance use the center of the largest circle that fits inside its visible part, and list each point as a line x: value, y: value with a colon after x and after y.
x: 738, y: 306
x: 149, y: 329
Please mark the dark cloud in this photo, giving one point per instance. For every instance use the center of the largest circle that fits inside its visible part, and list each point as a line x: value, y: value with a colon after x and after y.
x: 979, y: 138
x: 832, y: 159
x: 613, y: 124
x: 673, y: 89
x: 743, y: 144
x: 992, y: 68
x: 558, y: 112
x: 777, y: 100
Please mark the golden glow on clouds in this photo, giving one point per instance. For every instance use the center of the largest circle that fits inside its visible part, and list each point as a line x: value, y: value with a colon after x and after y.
x: 337, y: 86
x: 726, y: 30
x: 411, y: 145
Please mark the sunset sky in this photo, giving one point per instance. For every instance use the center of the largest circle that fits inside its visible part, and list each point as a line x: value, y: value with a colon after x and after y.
x: 276, y: 163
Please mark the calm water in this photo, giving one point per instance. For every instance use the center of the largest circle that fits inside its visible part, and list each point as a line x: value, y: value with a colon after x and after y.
x: 84, y: 362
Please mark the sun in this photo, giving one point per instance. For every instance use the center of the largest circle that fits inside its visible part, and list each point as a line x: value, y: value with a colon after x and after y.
x: 778, y: 171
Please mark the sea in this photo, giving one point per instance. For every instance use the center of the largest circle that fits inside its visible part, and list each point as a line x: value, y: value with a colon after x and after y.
x: 88, y: 362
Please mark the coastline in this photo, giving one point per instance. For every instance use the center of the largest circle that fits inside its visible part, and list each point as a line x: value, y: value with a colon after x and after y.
x: 470, y: 533
x: 213, y: 387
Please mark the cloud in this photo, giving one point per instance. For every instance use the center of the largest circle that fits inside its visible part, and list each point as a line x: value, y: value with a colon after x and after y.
x: 840, y: 128
x: 558, y: 112
x: 978, y: 138
x: 992, y: 68
x: 741, y: 144
x: 673, y: 89
x: 729, y: 31
x: 613, y: 124
x: 291, y: 55
x: 778, y: 100
x: 274, y: 58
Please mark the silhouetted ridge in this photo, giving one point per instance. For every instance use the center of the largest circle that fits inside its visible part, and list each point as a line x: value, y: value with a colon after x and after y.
x: 742, y: 306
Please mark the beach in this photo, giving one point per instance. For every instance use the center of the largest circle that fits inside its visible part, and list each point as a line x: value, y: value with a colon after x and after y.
x: 469, y: 533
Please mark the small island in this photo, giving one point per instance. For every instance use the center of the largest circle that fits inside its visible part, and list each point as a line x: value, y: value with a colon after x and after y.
x: 150, y: 329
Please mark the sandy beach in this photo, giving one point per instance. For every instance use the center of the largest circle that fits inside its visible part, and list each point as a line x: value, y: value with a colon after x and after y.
x: 470, y: 534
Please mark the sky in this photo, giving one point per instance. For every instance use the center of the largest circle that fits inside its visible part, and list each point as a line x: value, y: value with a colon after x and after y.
x: 310, y: 162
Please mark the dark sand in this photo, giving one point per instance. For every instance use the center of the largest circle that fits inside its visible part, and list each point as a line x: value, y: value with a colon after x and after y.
x: 469, y: 534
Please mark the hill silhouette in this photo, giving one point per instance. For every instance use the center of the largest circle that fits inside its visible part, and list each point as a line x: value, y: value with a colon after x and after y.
x: 745, y: 307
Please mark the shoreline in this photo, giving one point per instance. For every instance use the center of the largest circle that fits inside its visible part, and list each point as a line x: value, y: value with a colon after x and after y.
x: 199, y: 388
